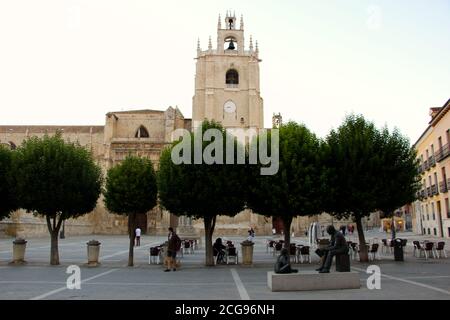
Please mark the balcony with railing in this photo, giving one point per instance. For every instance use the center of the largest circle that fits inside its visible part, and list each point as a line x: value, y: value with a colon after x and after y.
x: 426, y: 166
x: 420, y: 168
x: 434, y: 190
x: 442, y: 153
x: 443, y: 186
x: 428, y: 192
x: 423, y: 194
x: 432, y: 161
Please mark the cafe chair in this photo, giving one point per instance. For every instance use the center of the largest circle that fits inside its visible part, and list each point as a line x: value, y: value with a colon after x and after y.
x: 374, y: 251
x: 278, y: 247
x: 232, y: 255
x: 304, y: 254
x: 440, y: 249
x: 154, y: 255
x: 429, y: 249
x: 293, y: 253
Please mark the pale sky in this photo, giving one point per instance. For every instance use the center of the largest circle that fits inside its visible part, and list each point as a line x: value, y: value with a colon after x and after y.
x: 70, y: 62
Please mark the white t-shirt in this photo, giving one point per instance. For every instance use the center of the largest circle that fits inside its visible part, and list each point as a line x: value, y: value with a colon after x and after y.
x: 138, y: 232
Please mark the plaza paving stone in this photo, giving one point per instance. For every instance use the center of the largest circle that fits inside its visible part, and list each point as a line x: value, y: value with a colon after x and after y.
x: 412, y: 279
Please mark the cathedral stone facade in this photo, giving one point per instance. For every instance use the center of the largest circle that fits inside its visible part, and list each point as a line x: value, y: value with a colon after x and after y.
x: 227, y: 90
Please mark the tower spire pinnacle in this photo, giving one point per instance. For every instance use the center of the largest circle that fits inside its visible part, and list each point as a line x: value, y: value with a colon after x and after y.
x: 209, y: 44
x: 251, y: 43
x: 219, y: 23
x: 241, y: 26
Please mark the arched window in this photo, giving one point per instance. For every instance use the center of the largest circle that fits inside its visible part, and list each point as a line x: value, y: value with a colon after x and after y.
x: 141, y: 132
x: 232, y: 77
x: 12, y: 145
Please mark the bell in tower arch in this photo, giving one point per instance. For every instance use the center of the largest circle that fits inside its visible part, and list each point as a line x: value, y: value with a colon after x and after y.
x: 231, y: 45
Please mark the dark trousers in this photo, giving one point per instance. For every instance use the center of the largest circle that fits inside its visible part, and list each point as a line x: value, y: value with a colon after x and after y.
x: 328, y: 257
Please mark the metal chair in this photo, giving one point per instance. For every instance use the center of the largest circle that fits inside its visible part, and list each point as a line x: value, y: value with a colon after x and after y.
x: 429, y: 248
x: 277, y: 248
x: 354, y: 250
x: 373, y: 251
x: 417, y: 248
x: 440, y: 249
x: 187, y: 247
x: 154, y: 255
x: 293, y: 252
x: 232, y: 254
x: 304, y: 252
x: 270, y: 246
x: 385, y: 246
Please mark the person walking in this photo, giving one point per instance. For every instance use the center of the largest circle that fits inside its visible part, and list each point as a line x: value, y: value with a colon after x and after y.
x: 174, y: 244
x: 138, y: 236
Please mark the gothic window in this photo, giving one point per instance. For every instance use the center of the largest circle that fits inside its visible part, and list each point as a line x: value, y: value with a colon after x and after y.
x: 232, y: 77
x: 141, y: 133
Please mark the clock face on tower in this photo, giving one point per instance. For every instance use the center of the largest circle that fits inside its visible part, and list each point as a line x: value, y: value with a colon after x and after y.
x: 229, y: 107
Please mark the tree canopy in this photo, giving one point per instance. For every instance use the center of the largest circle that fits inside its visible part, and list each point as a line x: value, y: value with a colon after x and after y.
x: 296, y: 190
x: 202, y: 190
x: 57, y: 180
x: 130, y: 190
x: 366, y: 167
x: 8, y: 198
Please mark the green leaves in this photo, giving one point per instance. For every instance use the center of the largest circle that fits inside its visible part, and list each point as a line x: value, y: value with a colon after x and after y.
x: 368, y: 169
x: 8, y: 194
x: 56, y: 177
x: 131, y: 187
x: 201, y: 190
x: 295, y: 189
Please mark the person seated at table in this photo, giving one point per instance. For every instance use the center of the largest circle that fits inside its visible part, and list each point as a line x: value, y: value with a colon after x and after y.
x: 283, y: 265
x: 219, y: 250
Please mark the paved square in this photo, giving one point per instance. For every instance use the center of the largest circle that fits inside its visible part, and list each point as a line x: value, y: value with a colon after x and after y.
x: 412, y: 279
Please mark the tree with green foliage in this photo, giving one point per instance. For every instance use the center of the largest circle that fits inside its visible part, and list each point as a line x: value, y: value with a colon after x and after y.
x: 8, y: 202
x: 399, y: 175
x: 353, y: 160
x: 131, y: 190
x: 202, y: 189
x: 58, y: 180
x: 296, y: 190
x: 368, y: 170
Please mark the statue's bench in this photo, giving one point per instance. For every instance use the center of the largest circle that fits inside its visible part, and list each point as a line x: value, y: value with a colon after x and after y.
x: 312, y: 280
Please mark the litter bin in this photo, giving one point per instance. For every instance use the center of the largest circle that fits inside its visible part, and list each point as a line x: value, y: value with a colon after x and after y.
x: 93, y: 249
x: 19, y: 246
x: 247, y: 252
x: 398, y: 249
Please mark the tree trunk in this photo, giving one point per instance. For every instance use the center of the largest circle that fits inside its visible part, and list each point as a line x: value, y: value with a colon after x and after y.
x: 287, y: 221
x: 363, y: 254
x: 131, y: 233
x: 54, y: 254
x: 209, y: 230
x: 54, y: 232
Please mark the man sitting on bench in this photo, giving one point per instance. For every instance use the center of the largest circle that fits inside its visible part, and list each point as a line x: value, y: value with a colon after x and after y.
x: 338, y: 246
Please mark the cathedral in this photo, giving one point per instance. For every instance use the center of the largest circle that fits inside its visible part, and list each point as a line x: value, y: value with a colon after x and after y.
x: 227, y: 90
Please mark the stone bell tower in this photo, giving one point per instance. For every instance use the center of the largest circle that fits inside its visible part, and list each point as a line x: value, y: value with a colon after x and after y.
x: 227, y: 79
